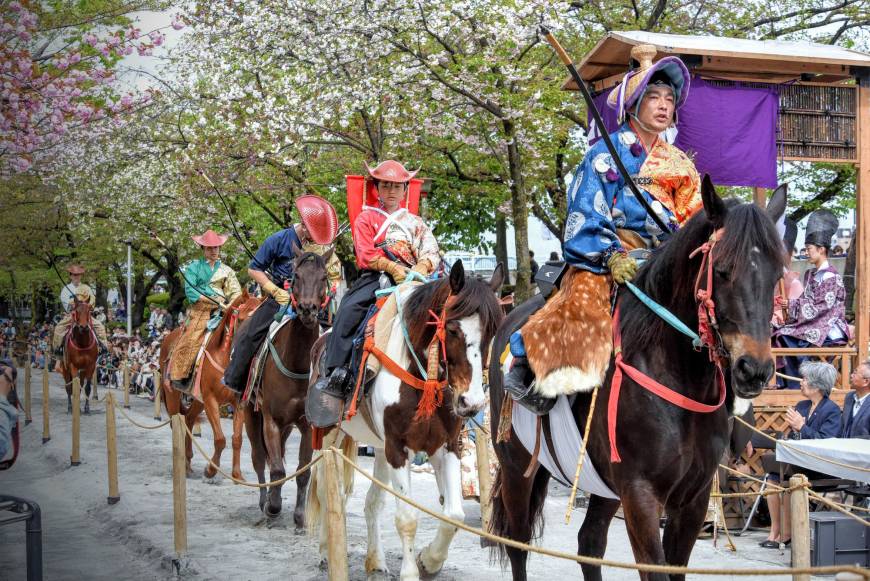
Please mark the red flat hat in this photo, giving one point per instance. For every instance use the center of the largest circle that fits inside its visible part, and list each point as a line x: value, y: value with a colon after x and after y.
x: 210, y: 238
x: 319, y: 218
x: 75, y: 269
x: 391, y: 171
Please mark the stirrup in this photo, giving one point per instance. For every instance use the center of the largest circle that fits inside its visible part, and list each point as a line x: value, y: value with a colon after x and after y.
x: 522, y: 390
x: 184, y: 386
x: 323, y: 408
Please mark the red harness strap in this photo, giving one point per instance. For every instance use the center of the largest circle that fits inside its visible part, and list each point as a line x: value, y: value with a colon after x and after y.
x: 432, y: 387
x: 706, y: 326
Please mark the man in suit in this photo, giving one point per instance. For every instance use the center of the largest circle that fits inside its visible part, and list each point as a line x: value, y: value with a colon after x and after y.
x: 856, y: 408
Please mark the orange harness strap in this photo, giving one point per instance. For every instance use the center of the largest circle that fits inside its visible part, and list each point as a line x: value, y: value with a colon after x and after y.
x: 432, y: 387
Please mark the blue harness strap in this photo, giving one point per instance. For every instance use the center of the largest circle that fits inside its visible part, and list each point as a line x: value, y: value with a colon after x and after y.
x: 667, y: 316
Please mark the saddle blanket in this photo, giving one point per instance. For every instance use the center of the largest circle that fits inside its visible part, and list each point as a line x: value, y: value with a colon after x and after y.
x: 567, y: 443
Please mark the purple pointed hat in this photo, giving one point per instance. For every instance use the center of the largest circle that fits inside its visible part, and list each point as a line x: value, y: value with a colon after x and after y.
x: 624, y: 96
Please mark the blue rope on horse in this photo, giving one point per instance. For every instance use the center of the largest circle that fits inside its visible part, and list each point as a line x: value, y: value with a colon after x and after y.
x: 411, y: 274
x: 277, y: 360
x: 667, y: 316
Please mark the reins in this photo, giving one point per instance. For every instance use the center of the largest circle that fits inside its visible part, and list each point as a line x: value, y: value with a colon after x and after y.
x: 707, y: 336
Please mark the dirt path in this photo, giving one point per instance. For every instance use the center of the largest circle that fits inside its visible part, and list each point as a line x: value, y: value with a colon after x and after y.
x: 228, y: 537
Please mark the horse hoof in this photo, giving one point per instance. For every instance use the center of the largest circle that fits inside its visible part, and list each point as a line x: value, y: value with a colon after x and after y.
x: 323, y: 565
x: 425, y: 572
x: 271, y: 511
x: 378, y: 575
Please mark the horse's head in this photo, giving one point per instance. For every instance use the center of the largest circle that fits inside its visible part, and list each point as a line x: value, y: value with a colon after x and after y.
x: 309, y: 288
x: 747, y: 263
x: 472, y: 316
x: 81, y: 314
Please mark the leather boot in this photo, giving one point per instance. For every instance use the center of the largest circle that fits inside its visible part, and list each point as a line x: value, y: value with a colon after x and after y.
x: 519, y: 383
x: 325, y: 399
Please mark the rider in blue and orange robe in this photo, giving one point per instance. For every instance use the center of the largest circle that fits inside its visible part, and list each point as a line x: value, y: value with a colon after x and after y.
x: 567, y: 344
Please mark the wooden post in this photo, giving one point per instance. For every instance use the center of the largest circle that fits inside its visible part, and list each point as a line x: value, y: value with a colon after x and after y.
x: 862, y: 255
x: 126, y: 384
x: 335, y: 526
x: 800, y: 526
x: 28, y: 416
x: 112, y: 449
x: 845, y: 371
x: 74, y: 458
x: 759, y: 197
x: 484, y: 478
x: 46, y: 434
x: 158, y: 389
x: 179, y: 485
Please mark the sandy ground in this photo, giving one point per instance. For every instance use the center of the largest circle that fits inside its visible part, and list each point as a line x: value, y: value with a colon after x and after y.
x: 85, y: 538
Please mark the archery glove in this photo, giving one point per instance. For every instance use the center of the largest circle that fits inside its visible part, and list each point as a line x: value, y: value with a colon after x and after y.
x: 281, y: 296
x: 396, y: 271
x: 622, y: 267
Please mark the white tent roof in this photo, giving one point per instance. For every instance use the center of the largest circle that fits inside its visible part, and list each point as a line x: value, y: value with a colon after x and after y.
x: 756, y: 48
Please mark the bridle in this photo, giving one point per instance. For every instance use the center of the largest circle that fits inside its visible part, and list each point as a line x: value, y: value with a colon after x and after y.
x: 708, y: 334
x: 74, y: 316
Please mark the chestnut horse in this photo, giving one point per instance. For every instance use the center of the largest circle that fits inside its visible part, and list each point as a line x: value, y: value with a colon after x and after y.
x: 284, y: 384
x: 666, y: 455
x: 467, y: 315
x: 213, y: 392
x: 80, y: 352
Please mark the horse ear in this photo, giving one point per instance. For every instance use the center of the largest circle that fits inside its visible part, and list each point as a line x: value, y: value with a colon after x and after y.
x: 777, y: 204
x: 328, y: 254
x: 714, y: 207
x: 296, y: 250
x: 497, y: 278
x: 457, y: 277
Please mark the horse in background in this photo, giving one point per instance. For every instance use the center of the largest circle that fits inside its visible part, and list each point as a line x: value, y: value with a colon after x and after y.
x: 464, y: 313
x: 668, y: 454
x: 214, y: 394
x: 280, y: 402
x: 80, y: 351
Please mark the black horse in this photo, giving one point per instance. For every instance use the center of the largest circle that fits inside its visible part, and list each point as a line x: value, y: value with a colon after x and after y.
x: 668, y: 454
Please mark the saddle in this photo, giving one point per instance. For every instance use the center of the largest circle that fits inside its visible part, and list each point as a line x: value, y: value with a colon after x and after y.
x: 258, y: 363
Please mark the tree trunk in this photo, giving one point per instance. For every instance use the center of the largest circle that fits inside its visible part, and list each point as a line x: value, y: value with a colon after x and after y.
x: 501, y: 250
x: 102, y: 295
x: 520, y: 211
x: 175, y: 282
x: 141, y: 290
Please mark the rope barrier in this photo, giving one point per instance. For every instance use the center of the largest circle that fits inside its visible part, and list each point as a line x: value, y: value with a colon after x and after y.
x: 245, y: 482
x: 137, y: 424
x: 789, y: 377
x: 798, y: 450
x: 643, y: 567
x: 779, y: 489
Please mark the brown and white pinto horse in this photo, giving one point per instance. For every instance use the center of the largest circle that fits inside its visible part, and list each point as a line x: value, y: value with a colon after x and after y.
x: 469, y: 316
x: 214, y: 393
x: 280, y: 404
x: 80, y: 350
x: 667, y: 454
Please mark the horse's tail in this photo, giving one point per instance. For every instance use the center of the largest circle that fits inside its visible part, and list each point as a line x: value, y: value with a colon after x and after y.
x: 314, y: 504
x: 500, y: 524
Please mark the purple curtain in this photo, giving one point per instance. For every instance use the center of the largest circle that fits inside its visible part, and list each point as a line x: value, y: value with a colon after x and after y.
x: 730, y: 131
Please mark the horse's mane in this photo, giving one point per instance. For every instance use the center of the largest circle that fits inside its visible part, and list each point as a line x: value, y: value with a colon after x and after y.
x: 669, y: 275
x: 475, y: 298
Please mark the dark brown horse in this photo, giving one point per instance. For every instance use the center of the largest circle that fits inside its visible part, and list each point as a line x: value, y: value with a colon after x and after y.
x: 80, y: 352
x: 467, y: 310
x: 284, y: 384
x: 214, y: 393
x: 668, y: 454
